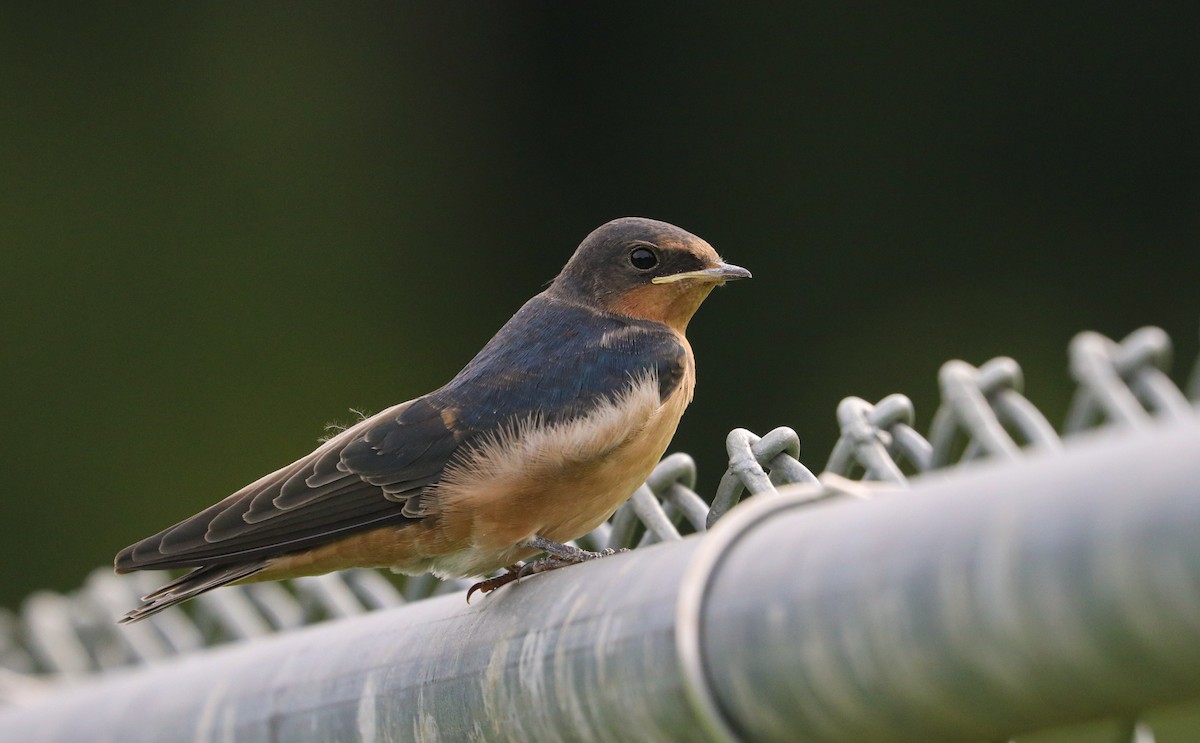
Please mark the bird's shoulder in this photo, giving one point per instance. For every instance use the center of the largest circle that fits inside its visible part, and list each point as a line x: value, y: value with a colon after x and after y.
x: 560, y: 359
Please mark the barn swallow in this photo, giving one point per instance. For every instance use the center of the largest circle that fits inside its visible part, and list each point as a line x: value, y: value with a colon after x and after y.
x: 537, y: 441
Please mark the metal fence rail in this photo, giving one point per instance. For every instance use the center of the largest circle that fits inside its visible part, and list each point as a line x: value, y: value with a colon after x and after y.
x: 589, y: 653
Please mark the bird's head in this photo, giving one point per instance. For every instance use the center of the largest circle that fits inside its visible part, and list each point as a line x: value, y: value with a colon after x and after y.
x: 644, y: 268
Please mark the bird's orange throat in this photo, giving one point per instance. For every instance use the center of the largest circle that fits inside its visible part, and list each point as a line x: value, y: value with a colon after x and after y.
x: 670, y: 304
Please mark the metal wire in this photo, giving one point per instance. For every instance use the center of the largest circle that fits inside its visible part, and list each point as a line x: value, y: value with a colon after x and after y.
x: 983, y: 413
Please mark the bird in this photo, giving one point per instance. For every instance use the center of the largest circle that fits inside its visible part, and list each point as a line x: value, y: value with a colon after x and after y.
x: 534, y: 443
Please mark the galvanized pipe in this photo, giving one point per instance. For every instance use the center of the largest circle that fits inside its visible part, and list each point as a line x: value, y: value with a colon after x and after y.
x: 986, y: 601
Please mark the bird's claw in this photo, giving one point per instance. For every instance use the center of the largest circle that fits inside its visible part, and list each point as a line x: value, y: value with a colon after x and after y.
x: 513, y: 572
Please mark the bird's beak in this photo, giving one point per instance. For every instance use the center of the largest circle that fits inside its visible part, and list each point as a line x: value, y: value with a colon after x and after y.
x: 719, y: 273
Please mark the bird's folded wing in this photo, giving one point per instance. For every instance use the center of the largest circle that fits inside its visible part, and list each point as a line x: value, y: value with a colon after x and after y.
x: 363, y: 477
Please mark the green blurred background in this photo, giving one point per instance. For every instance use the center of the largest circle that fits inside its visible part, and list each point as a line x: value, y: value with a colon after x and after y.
x: 222, y: 225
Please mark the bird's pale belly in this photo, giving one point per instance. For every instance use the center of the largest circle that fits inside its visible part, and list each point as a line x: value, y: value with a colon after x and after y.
x: 559, y: 482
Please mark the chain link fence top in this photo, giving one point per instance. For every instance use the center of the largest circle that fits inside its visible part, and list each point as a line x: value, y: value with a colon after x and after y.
x: 982, y: 413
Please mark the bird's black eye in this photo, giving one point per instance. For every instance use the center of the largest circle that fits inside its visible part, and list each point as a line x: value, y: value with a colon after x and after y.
x: 643, y: 259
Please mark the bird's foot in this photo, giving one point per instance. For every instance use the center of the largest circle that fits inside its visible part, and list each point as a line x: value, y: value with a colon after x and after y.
x: 557, y: 556
x: 512, y: 573
x: 565, y: 554
x: 541, y: 566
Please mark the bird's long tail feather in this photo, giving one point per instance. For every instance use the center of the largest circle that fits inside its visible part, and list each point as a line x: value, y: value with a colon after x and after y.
x: 191, y: 584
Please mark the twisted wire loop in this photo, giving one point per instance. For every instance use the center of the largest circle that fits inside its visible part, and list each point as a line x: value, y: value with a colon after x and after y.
x: 757, y: 465
x: 982, y: 413
x: 1126, y: 383
x: 875, y: 439
x: 985, y: 407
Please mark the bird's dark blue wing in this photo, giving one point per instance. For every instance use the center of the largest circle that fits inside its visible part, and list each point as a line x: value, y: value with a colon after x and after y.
x: 553, y: 361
